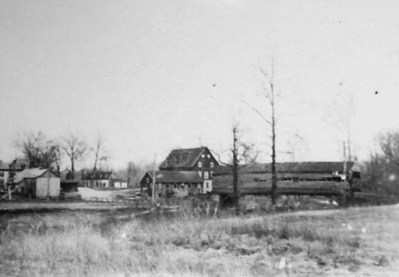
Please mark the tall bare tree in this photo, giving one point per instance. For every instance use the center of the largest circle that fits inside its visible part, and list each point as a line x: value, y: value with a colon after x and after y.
x: 339, y: 113
x: 235, y: 169
x: 100, y: 153
x: 268, y: 115
x: 75, y: 148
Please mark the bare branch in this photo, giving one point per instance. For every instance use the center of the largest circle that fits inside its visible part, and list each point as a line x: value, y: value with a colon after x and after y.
x: 258, y: 112
x: 219, y: 159
x: 75, y: 149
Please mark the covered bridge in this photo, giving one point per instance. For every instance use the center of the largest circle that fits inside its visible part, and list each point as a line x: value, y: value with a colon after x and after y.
x: 304, y: 178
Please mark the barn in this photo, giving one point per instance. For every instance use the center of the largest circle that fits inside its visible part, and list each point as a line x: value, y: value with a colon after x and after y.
x: 37, y: 183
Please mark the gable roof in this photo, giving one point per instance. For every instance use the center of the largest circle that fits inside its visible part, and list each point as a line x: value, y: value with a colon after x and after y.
x: 30, y: 173
x: 182, y: 158
x: 300, y: 167
x: 175, y: 177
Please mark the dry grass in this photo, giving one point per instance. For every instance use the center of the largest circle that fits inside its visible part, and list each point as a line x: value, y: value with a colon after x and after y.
x: 300, y: 244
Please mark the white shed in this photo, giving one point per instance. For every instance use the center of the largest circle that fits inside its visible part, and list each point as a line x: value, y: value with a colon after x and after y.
x: 36, y: 182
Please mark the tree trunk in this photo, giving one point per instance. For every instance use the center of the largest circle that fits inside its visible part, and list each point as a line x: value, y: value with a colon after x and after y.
x: 235, y: 172
x: 274, y: 171
x: 72, y: 169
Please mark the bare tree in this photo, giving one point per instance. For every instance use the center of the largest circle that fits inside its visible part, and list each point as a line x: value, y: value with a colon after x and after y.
x: 268, y: 115
x: 295, y: 144
x: 242, y: 154
x: 340, y: 111
x: 134, y: 171
x: 235, y: 169
x: 39, y: 151
x: 389, y: 143
x: 100, y: 153
x: 75, y: 149
x: 381, y: 170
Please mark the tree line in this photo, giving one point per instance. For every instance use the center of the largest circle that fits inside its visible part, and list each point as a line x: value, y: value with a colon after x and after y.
x: 381, y: 169
x: 41, y: 151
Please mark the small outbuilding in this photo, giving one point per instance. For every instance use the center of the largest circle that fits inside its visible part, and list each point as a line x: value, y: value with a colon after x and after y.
x: 37, y: 183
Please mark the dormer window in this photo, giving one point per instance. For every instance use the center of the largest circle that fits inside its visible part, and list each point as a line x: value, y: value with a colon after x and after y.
x: 199, y: 164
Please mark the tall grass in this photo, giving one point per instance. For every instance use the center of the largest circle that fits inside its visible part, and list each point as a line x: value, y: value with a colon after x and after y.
x: 198, y: 246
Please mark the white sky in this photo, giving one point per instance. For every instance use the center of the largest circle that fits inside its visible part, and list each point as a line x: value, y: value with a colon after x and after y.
x: 142, y: 73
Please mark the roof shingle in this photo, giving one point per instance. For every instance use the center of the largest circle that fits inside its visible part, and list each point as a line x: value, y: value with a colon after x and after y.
x: 182, y: 158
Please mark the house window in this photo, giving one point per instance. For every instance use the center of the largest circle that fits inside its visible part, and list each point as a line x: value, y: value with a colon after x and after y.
x: 212, y: 164
x: 206, y: 175
x: 199, y: 164
x: 208, y: 156
x: 203, y: 155
x: 200, y: 173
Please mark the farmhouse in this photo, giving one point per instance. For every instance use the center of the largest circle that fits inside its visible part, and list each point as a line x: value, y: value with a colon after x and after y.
x: 102, y: 179
x: 189, y: 170
x: 293, y: 178
x: 37, y: 182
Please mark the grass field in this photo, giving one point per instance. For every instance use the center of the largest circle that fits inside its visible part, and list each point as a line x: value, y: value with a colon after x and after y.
x: 350, y: 242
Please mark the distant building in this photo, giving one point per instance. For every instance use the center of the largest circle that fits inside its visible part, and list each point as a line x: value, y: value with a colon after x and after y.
x: 189, y: 170
x: 102, y: 179
x: 37, y: 183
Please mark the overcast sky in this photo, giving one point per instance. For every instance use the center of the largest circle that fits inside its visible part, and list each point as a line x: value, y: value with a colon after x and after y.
x: 151, y: 76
